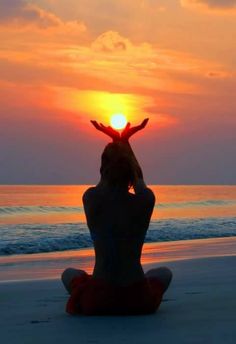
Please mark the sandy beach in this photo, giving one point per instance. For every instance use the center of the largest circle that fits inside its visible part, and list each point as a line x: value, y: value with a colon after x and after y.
x: 199, y: 306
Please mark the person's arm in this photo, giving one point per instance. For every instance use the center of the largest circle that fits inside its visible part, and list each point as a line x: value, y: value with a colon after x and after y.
x: 137, y: 167
x: 142, y: 191
x: 139, y: 183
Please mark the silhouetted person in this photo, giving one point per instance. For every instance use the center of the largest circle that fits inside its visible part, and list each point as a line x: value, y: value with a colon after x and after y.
x: 118, y: 221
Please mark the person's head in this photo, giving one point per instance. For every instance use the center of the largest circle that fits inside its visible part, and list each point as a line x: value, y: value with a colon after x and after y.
x: 117, y: 168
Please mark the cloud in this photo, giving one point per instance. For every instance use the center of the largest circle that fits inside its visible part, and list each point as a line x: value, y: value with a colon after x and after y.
x: 25, y: 13
x: 111, y: 41
x: 147, y: 66
x: 219, y: 6
x: 110, y: 62
x: 217, y: 3
x: 21, y: 14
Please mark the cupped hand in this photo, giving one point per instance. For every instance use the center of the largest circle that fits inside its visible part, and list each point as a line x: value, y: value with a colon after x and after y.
x: 130, y: 131
x: 114, y: 134
x: 124, y: 136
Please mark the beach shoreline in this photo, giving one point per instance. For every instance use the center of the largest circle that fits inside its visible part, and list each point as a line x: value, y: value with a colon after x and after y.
x: 50, y: 265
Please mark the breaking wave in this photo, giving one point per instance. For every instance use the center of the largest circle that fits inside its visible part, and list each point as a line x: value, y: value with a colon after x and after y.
x: 35, y: 238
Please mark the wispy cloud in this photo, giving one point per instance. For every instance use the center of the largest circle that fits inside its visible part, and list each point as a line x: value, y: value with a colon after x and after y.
x: 19, y: 14
x: 109, y: 62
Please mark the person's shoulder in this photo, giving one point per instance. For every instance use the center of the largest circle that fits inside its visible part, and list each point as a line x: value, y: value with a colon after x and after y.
x: 90, y: 194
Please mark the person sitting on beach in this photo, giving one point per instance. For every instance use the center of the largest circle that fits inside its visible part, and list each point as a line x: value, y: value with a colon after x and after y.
x: 118, y: 221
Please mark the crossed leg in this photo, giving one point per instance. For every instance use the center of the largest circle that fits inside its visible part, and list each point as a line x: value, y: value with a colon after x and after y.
x: 163, y: 274
x: 68, y: 275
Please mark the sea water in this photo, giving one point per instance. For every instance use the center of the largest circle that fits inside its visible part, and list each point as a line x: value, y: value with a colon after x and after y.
x: 51, y: 218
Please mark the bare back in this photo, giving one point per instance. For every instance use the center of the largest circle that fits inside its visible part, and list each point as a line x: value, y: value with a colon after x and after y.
x: 118, y: 222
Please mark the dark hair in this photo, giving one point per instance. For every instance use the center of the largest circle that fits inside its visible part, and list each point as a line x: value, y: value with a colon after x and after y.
x: 117, y: 168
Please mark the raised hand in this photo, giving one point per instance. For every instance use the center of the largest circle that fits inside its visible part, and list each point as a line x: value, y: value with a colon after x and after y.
x: 115, y: 135
x: 128, y: 131
x: 124, y: 135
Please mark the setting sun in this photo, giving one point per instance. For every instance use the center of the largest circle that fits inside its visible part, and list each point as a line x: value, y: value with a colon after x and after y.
x: 118, y: 121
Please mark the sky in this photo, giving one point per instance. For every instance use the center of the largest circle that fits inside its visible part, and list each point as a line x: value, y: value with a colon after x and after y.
x: 64, y: 62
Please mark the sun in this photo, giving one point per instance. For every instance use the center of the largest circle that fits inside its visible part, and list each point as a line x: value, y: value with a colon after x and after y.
x: 118, y: 121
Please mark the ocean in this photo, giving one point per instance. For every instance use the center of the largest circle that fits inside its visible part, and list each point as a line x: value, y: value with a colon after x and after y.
x: 37, y: 219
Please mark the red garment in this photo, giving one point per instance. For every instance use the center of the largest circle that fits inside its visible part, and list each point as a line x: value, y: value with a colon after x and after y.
x: 96, y: 297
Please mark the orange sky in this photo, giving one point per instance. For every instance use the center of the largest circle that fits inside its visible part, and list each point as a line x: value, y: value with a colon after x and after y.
x: 63, y: 62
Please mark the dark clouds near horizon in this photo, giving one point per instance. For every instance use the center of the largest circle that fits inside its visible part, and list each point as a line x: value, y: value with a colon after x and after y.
x: 216, y: 3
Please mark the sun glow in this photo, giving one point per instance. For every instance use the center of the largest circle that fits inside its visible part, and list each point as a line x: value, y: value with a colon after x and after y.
x: 102, y: 105
x: 118, y: 121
